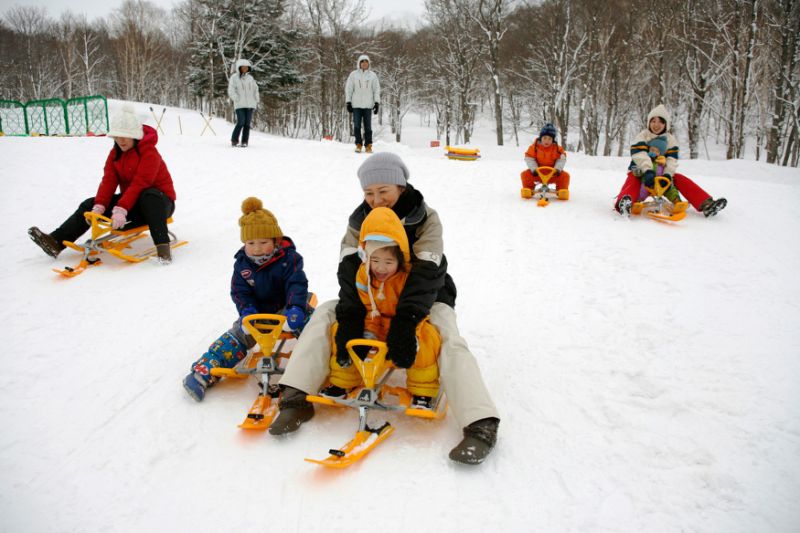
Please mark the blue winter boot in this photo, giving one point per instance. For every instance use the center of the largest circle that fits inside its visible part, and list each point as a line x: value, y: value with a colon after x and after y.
x: 224, y: 352
x: 196, y: 386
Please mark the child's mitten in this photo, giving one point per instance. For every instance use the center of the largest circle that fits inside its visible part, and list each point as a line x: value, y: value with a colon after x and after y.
x: 402, y: 342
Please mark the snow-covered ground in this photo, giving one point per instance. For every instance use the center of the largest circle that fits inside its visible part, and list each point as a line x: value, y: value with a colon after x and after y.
x: 647, y: 375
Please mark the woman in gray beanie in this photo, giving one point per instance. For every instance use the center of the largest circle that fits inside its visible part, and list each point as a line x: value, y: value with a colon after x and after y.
x: 429, y: 291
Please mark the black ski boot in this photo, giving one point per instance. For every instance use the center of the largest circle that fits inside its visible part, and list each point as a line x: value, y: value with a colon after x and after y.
x: 294, y: 410
x: 624, y: 206
x: 711, y: 207
x: 479, y: 439
x: 45, y: 241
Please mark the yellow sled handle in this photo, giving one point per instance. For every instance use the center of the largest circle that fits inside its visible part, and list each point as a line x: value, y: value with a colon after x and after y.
x: 100, y: 224
x: 545, y: 173
x: 662, y: 183
x: 371, y: 369
x: 266, y: 328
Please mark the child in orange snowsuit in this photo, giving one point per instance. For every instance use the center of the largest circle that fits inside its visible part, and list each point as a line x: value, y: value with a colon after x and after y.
x: 544, y: 152
x: 386, y: 262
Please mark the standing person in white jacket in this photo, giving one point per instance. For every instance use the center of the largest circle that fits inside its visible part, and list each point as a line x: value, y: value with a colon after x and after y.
x: 243, y: 90
x: 362, y: 92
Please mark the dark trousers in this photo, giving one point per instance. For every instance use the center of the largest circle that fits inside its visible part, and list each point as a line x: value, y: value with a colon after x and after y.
x: 360, y: 114
x: 243, y: 117
x: 153, y: 208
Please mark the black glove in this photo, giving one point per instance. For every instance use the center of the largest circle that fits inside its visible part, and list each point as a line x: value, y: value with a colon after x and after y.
x: 668, y: 176
x: 375, y: 109
x: 349, y: 107
x: 649, y: 179
x: 347, y: 330
x: 402, y: 342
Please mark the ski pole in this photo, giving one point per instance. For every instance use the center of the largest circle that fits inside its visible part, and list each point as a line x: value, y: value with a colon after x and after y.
x: 158, y: 122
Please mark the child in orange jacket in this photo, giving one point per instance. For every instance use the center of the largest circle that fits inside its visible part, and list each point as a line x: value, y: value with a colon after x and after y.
x: 386, y: 261
x: 544, y: 152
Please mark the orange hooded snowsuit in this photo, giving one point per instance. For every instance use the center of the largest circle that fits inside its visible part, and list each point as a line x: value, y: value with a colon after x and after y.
x: 552, y: 156
x: 382, y: 228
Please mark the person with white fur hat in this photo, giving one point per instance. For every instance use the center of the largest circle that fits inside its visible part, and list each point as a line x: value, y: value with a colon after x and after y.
x: 243, y: 91
x: 429, y: 291
x: 146, y: 194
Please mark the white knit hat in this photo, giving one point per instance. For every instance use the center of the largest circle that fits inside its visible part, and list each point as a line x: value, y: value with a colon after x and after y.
x: 126, y: 124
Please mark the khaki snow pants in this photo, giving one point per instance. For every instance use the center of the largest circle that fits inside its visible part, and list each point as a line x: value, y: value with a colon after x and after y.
x: 467, y: 396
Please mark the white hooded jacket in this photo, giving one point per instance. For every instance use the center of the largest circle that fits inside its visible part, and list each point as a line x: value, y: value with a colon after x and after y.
x: 639, y: 150
x: 362, y: 89
x: 243, y: 89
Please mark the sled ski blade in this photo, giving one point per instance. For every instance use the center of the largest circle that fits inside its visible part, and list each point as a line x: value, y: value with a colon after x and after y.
x: 664, y: 217
x: 144, y: 255
x: 71, y: 272
x: 261, y: 413
x: 363, y: 443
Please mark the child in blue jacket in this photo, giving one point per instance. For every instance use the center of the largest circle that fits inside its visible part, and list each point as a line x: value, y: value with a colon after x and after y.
x: 267, y: 277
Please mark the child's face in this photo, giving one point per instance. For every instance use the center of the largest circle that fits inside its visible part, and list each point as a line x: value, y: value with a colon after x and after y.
x: 257, y: 247
x: 124, y: 143
x: 382, y: 195
x: 383, y: 264
x: 546, y: 140
x: 657, y: 125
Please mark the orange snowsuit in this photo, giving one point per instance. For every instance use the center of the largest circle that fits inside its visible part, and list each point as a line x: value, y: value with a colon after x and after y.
x: 380, y: 300
x: 552, y: 156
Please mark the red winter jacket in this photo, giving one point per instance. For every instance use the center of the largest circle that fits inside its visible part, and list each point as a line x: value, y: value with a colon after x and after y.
x: 133, y: 171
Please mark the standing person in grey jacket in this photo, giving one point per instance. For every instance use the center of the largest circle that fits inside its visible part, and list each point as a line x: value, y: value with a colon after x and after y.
x: 362, y: 92
x: 243, y: 90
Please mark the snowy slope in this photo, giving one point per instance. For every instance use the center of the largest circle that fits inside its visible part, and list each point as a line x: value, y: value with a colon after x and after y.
x: 647, y: 374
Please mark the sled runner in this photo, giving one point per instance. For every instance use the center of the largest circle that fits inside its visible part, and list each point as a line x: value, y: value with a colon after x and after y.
x: 116, y: 242
x: 372, y: 395
x: 542, y: 192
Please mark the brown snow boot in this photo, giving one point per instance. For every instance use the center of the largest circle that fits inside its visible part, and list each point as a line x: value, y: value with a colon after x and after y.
x: 369, y: 149
x: 479, y: 439
x: 295, y: 410
x: 164, y: 253
x: 45, y: 241
x: 358, y: 148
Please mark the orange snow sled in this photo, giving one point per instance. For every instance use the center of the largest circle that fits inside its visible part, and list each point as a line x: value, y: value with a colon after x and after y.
x: 373, y: 394
x: 274, y: 344
x: 119, y: 243
x: 657, y: 206
x: 543, y: 192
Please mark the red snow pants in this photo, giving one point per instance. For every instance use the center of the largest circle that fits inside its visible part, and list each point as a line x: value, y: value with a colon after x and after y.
x: 529, y: 179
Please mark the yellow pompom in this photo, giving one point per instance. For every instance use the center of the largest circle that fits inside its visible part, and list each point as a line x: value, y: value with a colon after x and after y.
x: 251, y: 205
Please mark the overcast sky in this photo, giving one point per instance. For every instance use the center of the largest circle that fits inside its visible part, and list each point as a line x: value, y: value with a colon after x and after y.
x: 101, y: 8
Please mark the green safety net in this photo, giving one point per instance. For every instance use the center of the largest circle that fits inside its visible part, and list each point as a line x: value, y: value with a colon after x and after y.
x: 47, y: 117
x: 12, y: 118
x: 87, y: 115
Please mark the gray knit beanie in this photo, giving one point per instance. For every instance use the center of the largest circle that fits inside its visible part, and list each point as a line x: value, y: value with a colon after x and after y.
x: 383, y: 167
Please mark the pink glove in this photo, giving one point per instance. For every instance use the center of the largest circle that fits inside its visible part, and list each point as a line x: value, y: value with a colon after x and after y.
x: 97, y: 209
x: 118, y: 215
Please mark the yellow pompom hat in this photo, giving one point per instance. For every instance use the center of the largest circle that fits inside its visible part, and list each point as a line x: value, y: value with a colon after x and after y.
x: 257, y: 222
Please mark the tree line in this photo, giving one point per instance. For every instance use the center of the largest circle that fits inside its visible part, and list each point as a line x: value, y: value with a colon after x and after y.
x: 729, y: 70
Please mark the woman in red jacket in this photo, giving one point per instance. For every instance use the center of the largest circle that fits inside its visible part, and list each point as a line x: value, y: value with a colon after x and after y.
x: 146, y: 195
